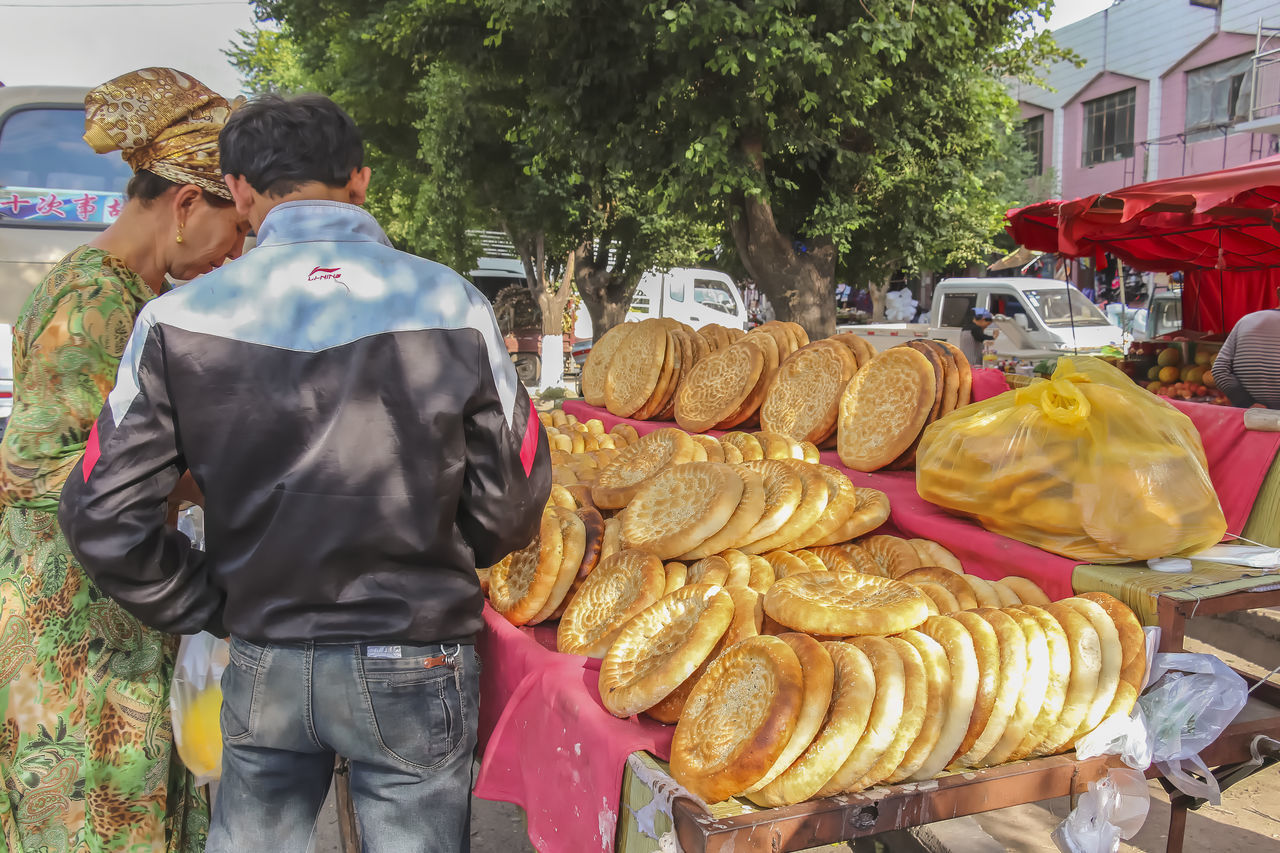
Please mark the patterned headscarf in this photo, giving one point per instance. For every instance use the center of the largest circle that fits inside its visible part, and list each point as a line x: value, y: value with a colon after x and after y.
x: 162, y: 121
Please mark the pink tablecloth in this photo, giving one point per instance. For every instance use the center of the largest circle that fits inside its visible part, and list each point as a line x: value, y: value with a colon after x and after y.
x: 549, y: 745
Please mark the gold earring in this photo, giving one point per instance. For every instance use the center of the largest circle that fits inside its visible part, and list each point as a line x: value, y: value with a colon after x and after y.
x: 179, y: 233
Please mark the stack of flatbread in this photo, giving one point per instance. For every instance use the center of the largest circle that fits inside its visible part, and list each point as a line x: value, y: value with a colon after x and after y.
x: 636, y: 367
x: 725, y: 390
x: 788, y: 717
x: 890, y: 400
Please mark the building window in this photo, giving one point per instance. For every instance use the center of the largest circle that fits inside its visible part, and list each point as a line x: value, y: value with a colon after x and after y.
x: 1108, y: 128
x: 1033, y: 134
x: 1218, y: 96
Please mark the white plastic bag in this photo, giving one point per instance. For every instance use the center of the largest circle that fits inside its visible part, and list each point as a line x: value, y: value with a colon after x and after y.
x: 1113, y: 808
x: 1192, y: 698
x: 195, y: 701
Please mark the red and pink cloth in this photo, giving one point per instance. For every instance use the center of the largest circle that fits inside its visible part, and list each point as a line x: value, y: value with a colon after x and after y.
x: 550, y: 746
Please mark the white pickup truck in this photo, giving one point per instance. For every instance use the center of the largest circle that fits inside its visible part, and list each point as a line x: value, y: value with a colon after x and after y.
x: 1037, y: 318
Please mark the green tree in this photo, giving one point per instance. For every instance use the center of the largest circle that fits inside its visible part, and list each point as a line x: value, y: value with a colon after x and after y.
x: 873, y: 134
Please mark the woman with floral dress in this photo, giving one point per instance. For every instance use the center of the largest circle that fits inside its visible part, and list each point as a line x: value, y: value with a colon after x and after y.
x: 86, y: 742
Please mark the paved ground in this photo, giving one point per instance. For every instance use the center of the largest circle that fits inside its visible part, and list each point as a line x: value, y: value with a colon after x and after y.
x: 1248, y: 821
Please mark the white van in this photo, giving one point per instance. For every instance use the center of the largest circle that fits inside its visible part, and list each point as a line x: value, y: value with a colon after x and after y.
x: 693, y: 296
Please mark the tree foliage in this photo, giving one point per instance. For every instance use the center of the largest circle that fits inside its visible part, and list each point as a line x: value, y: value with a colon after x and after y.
x: 811, y: 134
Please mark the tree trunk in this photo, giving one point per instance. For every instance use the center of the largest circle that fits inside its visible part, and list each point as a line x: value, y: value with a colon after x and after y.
x: 879, y: 290
x: 606, y: 294
x: 928, y: 278
x: 800, y: 286
x: 551, y: 305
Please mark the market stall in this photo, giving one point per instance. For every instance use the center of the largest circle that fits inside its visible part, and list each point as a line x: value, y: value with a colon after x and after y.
x: 563, y: 731
x: 1217, y: 227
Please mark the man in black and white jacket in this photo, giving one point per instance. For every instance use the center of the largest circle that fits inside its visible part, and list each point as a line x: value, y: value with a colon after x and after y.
x: 354, y: 421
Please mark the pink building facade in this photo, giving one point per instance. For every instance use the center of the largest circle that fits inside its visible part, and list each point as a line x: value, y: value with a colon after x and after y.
x: 1167, y: 89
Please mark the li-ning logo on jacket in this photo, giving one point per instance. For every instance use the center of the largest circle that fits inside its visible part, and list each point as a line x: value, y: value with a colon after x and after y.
x: 322, y: 273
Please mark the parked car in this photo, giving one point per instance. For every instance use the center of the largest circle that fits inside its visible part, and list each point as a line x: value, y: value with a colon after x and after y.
x: 1037, y: 317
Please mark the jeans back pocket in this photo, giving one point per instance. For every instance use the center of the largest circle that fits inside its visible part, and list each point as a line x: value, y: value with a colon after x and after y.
x: 419, y: 715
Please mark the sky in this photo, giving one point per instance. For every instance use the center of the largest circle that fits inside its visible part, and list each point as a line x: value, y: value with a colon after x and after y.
x: 87, y: 42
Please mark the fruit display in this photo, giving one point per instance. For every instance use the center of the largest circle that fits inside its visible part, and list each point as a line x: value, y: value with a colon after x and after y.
x: 1084, y: 465
x: 1180, y: 370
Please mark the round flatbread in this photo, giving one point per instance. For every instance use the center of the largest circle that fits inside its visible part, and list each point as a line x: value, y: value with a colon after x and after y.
x: 520, y: 586
x: 964, y: 373
x: 681, y: 508
x: 839, y: 605
x: 1058, y: 675
x: 815, y: 493
x: 1012, y: 645
x: 778, y: 446
x: 982, y: 591
x: 1032, y: 696
x: 783, y: 490
x: 884, y: 408
x: 840, y: 506
x: 852, y: 694
x: 952, y: 582
x: 886, y: 714
x: 987, y: 649
x: 638, y: 464
x: 942, y: 597
x: 596, y: 368
x: 785, y: 564
x: 739, y: 567
x: 934, y: 554
x: 622, y: 585
x: 738, y: 720
x: 668, y: 373
x: 711, y: 447
x: 1008, y: 598
x: 635, y: 368
x: 818, y: 678
x: 937, y: 674
x: 717, y: 386
x: 1109, y: 669
x: 677, y: 577
x: 835, y: 559
x: 750, y: 509
x: 747, y: 445
x: 895, y: 556
x: 1028, y: 591
x: 803, y: 401
x: 593, y: 545
x: 915, y: 704
x: 870, y: 510
x: 811, y: 560
x: 962, y: 663
x: 1133, y: 646
x: 573, y: 539
x: 709, y: 570
x: 661, y: 647
x: 861, y: 560
x: 1086, y: 664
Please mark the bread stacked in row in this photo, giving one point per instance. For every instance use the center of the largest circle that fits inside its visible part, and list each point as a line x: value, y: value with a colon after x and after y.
x: 785, y: 717
x: 888, y: 404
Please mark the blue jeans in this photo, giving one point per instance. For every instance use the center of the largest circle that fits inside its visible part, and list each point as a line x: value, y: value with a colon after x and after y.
x: 407, y: 726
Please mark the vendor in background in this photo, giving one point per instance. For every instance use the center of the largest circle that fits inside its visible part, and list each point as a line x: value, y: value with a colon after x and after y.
x: 86, y: 756
x: 843, y: 292
x: 1247, y: 368
x: 973, y: 334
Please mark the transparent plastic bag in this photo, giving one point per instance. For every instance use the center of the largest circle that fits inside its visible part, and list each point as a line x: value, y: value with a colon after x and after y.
x: 195, y: 700
x: 1191, y: 700
x: 1086, y: 464
x: 1113, y: 808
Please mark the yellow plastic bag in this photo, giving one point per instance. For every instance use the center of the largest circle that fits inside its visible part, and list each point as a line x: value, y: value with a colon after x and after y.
x: 195, y: 700
x: 1086, y: 464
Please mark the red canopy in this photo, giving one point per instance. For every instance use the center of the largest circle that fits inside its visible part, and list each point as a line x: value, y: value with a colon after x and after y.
x: 1222, y: 228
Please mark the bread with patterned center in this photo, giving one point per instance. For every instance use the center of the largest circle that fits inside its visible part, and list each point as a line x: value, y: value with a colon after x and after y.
x: 819, y: 676
x: 894, y: 554
x: 852, y: 694
x: 834, y: 604
x: 638, y: 464
x: 804, y: 400
x: 520, y: 585
x: 717, y: 386
x: 622, y: 585
x: 573, y: 541
x: 596, y: 369
x: 681, y: 508
x: 635, y: 368
x: 884, y: 408
x: 841, y: 503
x: 815, y: 494
x: 662, y: 646
x: 749, y: 511
x: 738, y: 719
x: 870, y: 510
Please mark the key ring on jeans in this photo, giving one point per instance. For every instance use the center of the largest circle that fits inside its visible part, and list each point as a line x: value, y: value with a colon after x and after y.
x: 451, y: 657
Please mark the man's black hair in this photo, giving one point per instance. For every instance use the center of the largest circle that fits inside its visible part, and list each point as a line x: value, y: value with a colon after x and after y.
x: 278, y: 144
